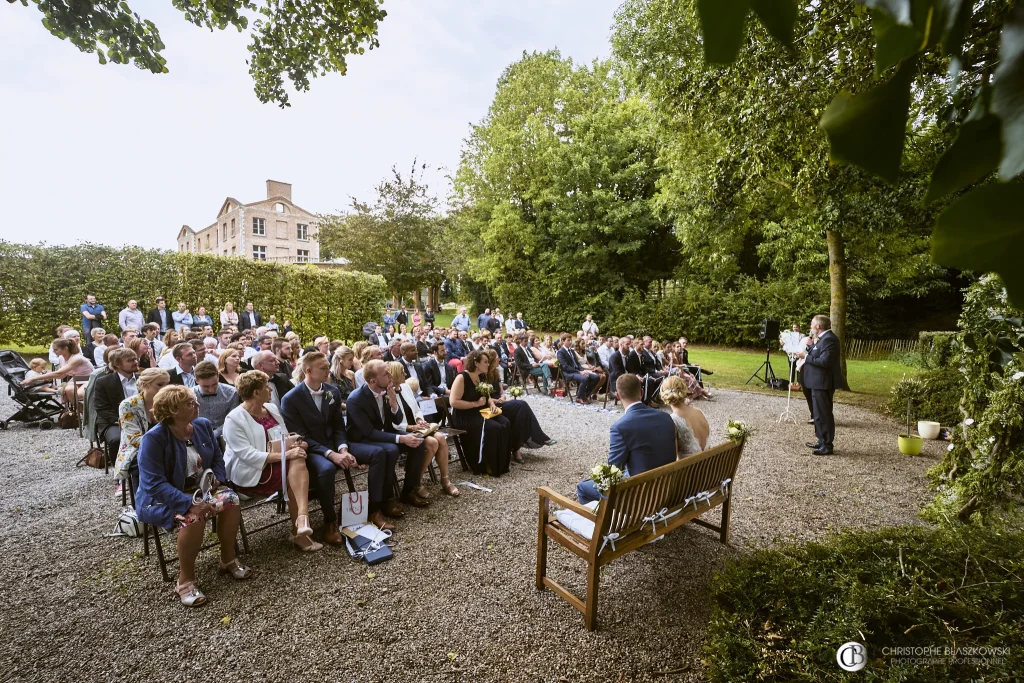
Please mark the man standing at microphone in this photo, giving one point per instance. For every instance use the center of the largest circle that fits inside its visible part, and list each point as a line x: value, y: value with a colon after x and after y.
x: 822, y: 374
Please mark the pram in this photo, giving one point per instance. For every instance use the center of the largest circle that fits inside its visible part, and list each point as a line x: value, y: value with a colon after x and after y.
x: 36, y: 406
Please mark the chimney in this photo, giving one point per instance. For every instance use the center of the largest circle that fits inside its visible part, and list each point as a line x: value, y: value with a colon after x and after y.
x: 279, y: 189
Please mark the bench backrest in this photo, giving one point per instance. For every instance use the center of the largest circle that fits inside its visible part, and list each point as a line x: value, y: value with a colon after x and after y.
x: 668, y: 486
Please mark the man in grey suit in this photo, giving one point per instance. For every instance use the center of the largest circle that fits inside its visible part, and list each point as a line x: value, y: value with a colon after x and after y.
x: 823, y: 372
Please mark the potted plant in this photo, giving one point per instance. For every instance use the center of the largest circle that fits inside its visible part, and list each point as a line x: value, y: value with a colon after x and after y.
x: 910, y: 444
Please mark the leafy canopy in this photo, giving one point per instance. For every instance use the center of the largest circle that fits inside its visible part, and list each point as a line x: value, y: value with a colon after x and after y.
x: 301, y: 38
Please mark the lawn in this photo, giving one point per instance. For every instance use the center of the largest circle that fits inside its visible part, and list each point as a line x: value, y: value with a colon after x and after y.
x: 870, y: 381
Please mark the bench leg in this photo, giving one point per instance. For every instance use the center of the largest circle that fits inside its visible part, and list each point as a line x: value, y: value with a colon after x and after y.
x: 593, y: 581
x: 462, y: 453
x: 542, y: 544
x: 723, y: 535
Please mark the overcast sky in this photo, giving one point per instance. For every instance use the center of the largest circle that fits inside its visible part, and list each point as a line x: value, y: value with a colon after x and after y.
x: 115, y: 155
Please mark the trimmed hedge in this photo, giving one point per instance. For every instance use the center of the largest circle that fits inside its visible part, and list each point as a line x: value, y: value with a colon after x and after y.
x: 934, y: 395
x: 937, y: 349
x: 42, y: 287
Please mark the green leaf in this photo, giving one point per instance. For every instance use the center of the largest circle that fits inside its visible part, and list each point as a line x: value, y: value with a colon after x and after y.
x: 899, y: 10
x: 973, y: 155
x: 957, y: 14
x: 778, y: 18
x: 868, y: 129
x: 983, y: 231
x: 894, y: 42
x: 721, y: 27
x: 1008, y: 94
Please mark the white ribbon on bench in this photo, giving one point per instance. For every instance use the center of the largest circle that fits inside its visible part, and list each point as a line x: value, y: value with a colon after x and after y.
x: 610, y: 538
x: 705, y: 496
x: 661, y: 515
x: 724, y: 486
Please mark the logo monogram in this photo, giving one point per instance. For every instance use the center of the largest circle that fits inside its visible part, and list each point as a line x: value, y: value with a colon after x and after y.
x: 852, y: 656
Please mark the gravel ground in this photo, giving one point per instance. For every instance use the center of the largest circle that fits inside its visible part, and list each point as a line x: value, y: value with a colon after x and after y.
x: 457, y: 602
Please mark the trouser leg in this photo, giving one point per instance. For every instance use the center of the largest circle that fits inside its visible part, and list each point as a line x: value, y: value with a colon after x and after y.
x: 586, y: 492
x: 414, y: 458
x: 376, y: 477
x: 322, y: 471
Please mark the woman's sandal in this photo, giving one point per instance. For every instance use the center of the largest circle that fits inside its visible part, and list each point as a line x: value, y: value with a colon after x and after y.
x: 517, y: 458
x: 449, y: 489
x: 424, y: 493
x: 302, y: 527
x: 310, y: 547
x: 190, y: 595
x: 237, y: 570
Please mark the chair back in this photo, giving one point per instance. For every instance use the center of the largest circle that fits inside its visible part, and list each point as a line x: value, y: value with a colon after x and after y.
x: 669, y: 486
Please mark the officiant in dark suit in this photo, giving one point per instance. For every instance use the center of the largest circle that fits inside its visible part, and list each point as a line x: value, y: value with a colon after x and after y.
x: 823, y: 373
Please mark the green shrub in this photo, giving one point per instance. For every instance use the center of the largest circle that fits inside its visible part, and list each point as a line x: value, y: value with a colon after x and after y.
x: 42, y: 287
x: 912, y: 359
x: 934, y: 395
x: 780, y: 614
x: 937, y: 349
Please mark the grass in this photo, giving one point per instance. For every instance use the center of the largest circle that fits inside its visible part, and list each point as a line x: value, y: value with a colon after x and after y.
x: 870, y: 381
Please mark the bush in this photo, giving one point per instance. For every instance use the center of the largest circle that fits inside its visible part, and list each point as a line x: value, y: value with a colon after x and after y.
x: 934, y: 395
x: 912, y: 359
x: 937, y: 349
x: 42, y: 287
x: 780, y: 614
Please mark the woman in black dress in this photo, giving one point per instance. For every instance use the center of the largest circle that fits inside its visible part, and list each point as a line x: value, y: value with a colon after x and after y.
x: 525, y: 429
x: 486, y: 441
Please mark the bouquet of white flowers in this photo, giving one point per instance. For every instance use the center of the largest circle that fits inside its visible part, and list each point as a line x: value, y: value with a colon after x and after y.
x: 484, y: 389
x: 605, y: 476
x: 737, y: 431
x: 515, y: 392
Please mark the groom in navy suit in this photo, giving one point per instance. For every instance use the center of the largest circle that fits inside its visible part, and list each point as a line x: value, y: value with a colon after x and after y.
x: 642, y: 439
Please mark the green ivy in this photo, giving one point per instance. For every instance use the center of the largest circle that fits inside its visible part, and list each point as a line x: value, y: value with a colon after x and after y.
x: 42, y: 287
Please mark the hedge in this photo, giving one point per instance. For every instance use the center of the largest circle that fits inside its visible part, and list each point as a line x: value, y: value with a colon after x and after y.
x: 42, y: 287
x: 937, y: 349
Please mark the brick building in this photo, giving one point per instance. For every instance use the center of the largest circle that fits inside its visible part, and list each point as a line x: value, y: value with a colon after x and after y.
x: 271, y: 229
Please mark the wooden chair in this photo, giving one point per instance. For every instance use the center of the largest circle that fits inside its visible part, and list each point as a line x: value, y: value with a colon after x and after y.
x: 635, y: 511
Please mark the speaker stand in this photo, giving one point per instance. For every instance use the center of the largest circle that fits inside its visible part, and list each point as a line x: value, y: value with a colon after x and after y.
x: 766, y: 367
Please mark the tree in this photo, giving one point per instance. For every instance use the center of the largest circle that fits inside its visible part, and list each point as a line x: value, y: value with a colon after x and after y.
x: 400, y: 236
x: 752, y: 128
x: 303, y: 38
x: 553, y: 193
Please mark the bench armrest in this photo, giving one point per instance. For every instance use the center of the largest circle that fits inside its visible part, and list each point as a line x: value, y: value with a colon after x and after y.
x: 581, y: 510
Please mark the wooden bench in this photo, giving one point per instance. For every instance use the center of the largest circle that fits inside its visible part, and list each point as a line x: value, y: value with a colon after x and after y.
x: 637, y: 510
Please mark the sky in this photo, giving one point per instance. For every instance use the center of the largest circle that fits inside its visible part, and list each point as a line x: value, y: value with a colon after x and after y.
x: 115, y: 155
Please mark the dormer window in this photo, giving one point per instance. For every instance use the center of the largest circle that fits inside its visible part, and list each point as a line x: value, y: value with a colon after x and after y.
x: 279, y: 207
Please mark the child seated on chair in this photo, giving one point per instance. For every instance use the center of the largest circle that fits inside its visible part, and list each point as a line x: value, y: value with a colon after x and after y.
x: 38, y: 367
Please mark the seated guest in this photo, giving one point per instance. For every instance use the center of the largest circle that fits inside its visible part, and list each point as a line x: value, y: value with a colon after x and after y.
x: 692, y: 428
x: 377, y: 336
x: 423, y: 346
x: 524, y: 429
x: 313, y: 410
x: 369, y: 353
x: 454, y: 350
x: 342, y: 374
x: 357, y: 353
x: 108, y: 393
x: 572, y: 370
x: 227, y: 366
x: 151, y: 331
x: 642, y: 439
x: 61, y: 330
x: 210, y: 352
x: 323, y: 345
x: 403, y: 333
x: 440, y: 374
x: 267, y: 363
x: 216, y: 400
x: 202, y: 319
x: 184, y: 365
x: 252, y: 459
x: 486, y: 442
x: 580, y: 348
x: 272, y: 325
x: 409, y: 360
x: 96, y: 337
x: 374, y: 412
x: 172, y: 458
x: 529, y: 364
x: 143, y: 351
x: 37, y: 368
x: 136, y: 417
x: 436, y: 445
x: 182, y: 318
x: 166, y: 358
x: 73, y: 364
x: 504, y: 355
x: 394, y: 350
x: 110, y: 341
x: 617, y: 361
x: 282, y: 348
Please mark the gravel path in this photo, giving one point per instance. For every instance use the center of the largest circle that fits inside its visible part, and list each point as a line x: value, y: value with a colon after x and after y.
x: 456, y: 603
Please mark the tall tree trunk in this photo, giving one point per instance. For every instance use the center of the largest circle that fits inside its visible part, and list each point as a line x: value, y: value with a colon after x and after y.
x: 837, y: 287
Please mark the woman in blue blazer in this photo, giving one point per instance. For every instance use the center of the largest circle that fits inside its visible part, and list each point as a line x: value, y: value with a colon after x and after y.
x: 172, y: 458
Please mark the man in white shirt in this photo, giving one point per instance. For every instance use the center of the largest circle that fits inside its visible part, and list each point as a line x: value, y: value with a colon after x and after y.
x: 210, y: 350
x: 131, y: 316
x: 604, y: 352
x: 268, y: 363
x: 184, y: 364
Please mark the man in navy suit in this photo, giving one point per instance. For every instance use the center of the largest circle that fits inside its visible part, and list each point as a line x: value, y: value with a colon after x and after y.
x: 642, y: 439
x: 373, y: 412
x: 823, y: 372
x: 439, y: 374
x: 313, y: 409
x: 617, y: 362
x: 571, y: 370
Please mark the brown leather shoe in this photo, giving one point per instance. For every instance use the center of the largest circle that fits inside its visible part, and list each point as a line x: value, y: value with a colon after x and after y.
x: 332, y: 535
x: 391, y: 509
x: 377, y: 519
x: 414, y: 500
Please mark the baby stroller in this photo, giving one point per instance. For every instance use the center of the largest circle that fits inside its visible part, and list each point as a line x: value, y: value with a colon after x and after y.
x: 36, y: 407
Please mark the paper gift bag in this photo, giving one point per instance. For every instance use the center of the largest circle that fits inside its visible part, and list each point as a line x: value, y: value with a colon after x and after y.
x: 354, y: 508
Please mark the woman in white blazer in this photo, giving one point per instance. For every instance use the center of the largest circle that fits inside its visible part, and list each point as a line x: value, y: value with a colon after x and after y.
x: 412, y: 416
x: 252, y: 460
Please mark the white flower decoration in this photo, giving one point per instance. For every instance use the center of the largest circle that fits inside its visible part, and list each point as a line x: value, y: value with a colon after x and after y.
x: 1017, y: 376
x: 969, y: 421
x: 991, y: 439
x: 949, y: 447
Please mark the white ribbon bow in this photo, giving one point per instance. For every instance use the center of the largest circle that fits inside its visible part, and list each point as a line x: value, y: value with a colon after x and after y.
x: 610, y: 538
x: 659, y: 516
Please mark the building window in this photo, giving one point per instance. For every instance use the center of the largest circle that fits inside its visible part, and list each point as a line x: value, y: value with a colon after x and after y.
x: 225, y: 238
x: 225, y: 252
x: 259, y: 252
x: 303, y: 232
x: 259, y: 226
x: 207, y: 242
x: 232, y: 227
x: 279, y: 207
x: 232, y: 251
x: 302, y: 255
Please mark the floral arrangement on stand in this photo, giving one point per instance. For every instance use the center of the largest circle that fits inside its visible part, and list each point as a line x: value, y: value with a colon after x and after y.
x: 605, y: 476
x: 737, y: 431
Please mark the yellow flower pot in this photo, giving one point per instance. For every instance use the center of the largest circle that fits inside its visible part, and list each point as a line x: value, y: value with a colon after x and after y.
x: 911, y: 444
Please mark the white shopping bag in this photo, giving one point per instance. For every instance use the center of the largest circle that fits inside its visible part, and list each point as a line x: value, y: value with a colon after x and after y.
x: 354, y: 508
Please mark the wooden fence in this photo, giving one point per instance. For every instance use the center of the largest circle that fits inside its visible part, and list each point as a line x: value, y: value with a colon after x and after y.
x: 878, y: 349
